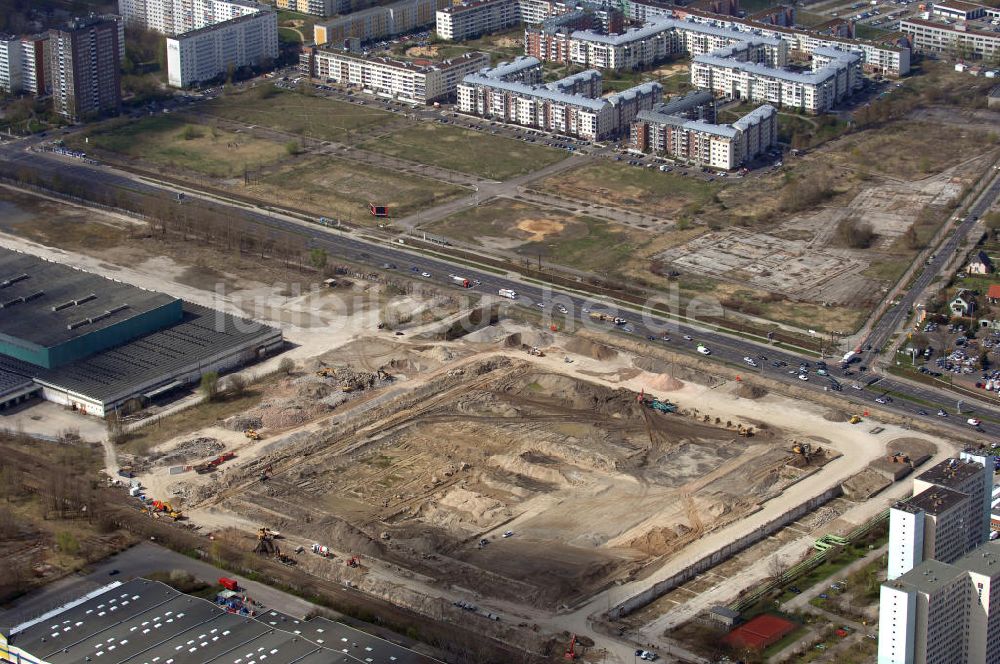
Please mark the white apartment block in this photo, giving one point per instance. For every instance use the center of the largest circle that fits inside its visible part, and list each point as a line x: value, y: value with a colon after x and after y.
x: 37, y: 68
x: 885, y: 59
x: 393, y: 78
x: 174, y: 17
x: 315, y: 7
x: 204, y: 54
x: 734, y: 74
x: 472, y: 19
x: 941, y: 613
x: 720, y: 146
x: 497, y: 94
x: 11, y: 67
x: 948, y: 515
x: 657, y: 40
x: 378, y: 22
x: 960, y: 39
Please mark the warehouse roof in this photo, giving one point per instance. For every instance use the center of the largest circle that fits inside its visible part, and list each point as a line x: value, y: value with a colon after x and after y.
x: 151, y: 361
x: 46, y: 304
x: 147, y: 622
x: 12, y: 382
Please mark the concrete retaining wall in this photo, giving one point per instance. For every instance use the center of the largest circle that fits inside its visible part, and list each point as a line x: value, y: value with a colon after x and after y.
x: 663, y: 587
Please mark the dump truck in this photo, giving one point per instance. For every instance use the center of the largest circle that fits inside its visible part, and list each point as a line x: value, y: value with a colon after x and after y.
x: 461, y: 281
x: 252, y: 434
x: 617, y: 320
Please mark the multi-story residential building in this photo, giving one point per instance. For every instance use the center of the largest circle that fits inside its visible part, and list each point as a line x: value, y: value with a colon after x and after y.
x: 964, y: 39
x: 206, y: 53
x: 948, y: 515
x: 378, y: 22
x: 316, y: 7
x: 85, y: 61
x: 11, y: 68
x: 721, y: 146
x: 175, y: 17
x: 36, y: 78
x: 941, y: 613
x: 478, y: 17
x: 733, y: 73
x: 394, y: 78
x: 878, y: 58
x: 504, y: 94
x: 657, y: 40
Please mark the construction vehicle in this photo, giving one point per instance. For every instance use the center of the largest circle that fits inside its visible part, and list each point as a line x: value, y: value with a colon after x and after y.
x: 285, y: 560
x: 898, y: 457
x: 346, y: 388
x: 251, y: 433
x: 327, y: 372
x: 596, y: 315
x: 570, y: 653
x: 321, y: 550
x: 537, y: 352
x: 744, y: 431
x: 354, y: 561
x: 855, y: 419
x: 229, y: 584
x: 663, y: 406
x: 801, y: 448
x: 265, y: 474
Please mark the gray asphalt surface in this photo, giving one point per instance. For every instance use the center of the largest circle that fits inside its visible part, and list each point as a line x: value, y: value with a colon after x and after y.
x: 908, y: 400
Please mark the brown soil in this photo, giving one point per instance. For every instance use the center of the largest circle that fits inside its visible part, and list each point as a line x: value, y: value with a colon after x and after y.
x: 539, y: 229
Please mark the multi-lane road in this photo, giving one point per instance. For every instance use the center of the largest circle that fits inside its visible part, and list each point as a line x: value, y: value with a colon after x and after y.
x: 569, y: 310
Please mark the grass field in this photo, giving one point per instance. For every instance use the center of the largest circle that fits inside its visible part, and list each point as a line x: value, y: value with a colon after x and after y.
x: 169, y: 140
x: 316, y: 117
x: 465, y: 150
x: 343, y: 189
x: 559, y: 237
x: 644, y: 190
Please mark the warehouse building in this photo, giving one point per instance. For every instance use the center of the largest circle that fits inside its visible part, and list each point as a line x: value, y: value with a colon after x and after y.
x: 512, y: 93
x: 400, y: 79
x: 141, y: 621
x: 95, y: 344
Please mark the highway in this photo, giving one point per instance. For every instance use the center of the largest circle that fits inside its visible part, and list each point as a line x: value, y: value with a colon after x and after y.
x: 907, y: 400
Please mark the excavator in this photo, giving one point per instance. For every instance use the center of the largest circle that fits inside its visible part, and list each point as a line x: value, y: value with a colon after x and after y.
x: 326, y: 372
x: 746, y: 432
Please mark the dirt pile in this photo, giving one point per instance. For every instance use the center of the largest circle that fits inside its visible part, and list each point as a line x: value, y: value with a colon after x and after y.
x: 834, y: 415
x: 190, y: 450
x: 748, y: 390
x: 591, y: 349
x: 284, y: 413
x: 242, y: 422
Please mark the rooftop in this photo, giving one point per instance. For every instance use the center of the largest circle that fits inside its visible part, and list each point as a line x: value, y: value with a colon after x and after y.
x: 145, y: 621
x: 263, y: 9
x: 443, y: 65
x: 473, y: 4
x: 927, y: 577
x: 515, y: 66
x: 985, y: 560
x: 46, y: 304
x: 140, y: 365
x: 808, y: 78
x: 937, y: 500
x: 950, y: 473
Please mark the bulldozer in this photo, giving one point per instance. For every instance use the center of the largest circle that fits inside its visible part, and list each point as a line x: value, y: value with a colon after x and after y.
x: 326, y: 372
x: 252, y: 434
x: 855, y: 419
x: 744, y: 431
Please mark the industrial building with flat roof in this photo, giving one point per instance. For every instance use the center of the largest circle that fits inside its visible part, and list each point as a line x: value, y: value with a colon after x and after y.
x: 94, y: 344
x: 512, y: 93
x: 143, y: 622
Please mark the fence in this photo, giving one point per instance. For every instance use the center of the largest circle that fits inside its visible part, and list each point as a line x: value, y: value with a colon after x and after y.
x: 806, y: 565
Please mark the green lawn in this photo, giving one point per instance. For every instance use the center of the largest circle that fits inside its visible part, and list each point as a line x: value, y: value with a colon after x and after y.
x: 342, y: 189
x: 640, y: 189
x: 465, y: 150
x: 170, y: 140
x: 558, y: 237
x: 316, y: 117
x: 289, y: 35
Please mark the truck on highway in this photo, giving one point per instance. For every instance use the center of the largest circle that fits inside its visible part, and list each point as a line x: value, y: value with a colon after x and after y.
x: 507, y: 293
x: 596, y: 315
x: 461, y: 281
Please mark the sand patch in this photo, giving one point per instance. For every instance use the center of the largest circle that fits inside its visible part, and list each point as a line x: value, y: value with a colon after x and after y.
x: 539, y: 229
x: 423, y: 52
